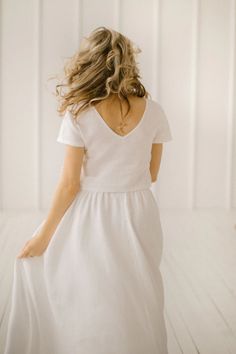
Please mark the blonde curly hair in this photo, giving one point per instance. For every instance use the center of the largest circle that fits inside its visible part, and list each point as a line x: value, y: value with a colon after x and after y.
x: 103, y: 66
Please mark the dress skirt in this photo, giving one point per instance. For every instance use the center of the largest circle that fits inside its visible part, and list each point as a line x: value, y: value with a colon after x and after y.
x: 97, y: 289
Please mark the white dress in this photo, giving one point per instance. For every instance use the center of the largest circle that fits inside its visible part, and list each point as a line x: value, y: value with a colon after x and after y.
x: 97, y: 289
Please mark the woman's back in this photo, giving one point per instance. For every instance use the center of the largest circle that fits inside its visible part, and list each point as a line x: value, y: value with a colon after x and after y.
x: 115, y: 162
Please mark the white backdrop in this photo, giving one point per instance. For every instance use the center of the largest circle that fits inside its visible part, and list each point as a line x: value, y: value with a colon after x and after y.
x: 187, y: 63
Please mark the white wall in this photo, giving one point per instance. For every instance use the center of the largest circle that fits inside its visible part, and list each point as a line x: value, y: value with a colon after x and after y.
x: 187, y: 63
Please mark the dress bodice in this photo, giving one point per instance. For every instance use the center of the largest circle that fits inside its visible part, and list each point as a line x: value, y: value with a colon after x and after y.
x: 113, y: 162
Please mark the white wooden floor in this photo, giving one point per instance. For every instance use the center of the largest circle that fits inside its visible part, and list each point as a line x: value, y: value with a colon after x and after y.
x: 198, y: 268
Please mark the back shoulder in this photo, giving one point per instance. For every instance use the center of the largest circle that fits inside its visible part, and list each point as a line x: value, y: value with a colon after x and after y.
x: 84, y: 115
x: 157, y: 111
x: 156, y: 106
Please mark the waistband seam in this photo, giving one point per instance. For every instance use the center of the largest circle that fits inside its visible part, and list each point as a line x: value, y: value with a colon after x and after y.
x: 113, y: 190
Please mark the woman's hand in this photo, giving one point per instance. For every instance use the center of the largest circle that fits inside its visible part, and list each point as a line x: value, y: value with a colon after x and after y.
x: 34, y: 247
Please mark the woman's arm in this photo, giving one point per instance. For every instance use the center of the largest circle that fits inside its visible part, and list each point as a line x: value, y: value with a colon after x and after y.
x: 155, y: 162
x: 65, y: 192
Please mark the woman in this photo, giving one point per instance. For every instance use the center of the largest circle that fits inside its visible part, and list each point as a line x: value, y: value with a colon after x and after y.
x: 88, y: 280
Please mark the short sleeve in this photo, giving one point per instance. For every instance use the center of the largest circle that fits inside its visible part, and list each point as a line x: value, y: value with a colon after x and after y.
x: 162, y: 132
x: 70, y: 132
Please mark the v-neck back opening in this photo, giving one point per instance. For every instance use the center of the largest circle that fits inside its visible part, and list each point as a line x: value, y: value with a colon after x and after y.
x: 130, y: 132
